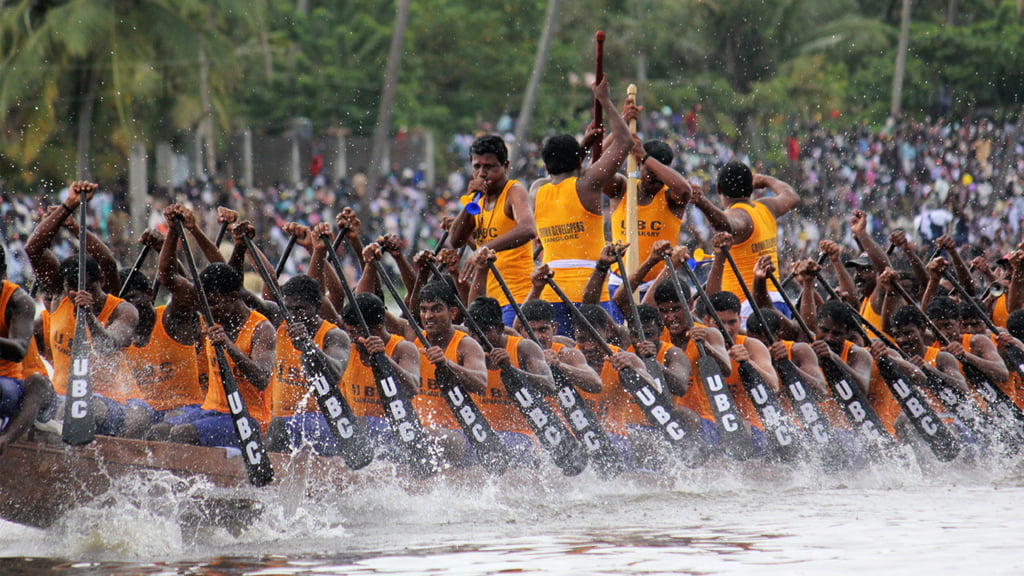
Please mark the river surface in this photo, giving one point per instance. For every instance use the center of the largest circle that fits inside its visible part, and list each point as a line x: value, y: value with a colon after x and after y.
x: 730, y: 518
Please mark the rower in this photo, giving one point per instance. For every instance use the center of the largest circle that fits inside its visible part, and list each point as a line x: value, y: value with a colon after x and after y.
x: 524, y: 354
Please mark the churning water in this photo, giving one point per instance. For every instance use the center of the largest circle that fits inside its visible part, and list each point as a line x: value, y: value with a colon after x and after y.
x: 733, y: 518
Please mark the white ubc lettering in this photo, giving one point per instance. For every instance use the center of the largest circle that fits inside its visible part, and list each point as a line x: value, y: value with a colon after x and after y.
x: 729, y: 423
x: 388, y: 386
x: 397, y: 409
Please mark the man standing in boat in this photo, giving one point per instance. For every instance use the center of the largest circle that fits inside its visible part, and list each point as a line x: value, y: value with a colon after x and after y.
x: 504, y: 223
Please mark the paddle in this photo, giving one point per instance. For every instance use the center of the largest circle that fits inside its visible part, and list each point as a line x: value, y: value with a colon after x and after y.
x: 490, y: 449
x: 284, y: 256
x: 736, y: 440
x: 800, y: 397
x: 396, y: 401
x: 659, y: 412
x: 134, y: 271
x: 549, y: 430
x: 348, y: 431
x: 783, y: 436
x: 850, y: 397
x: 654, y: 368
x: 942, y: 442
x: 257, y: 464
x: 79, y: 420
x: 587, y: 428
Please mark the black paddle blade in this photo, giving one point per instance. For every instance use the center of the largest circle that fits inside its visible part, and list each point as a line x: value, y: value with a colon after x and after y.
x: 783, y: 437
x: 664, y: 418
x: 855, y: 405
x: 79, y: 421
x: 402, y: 416
x: 736, y: 439
x: 943, y: 443
x: 565, y: 450
x: 349, y: 432
x: 250, y: 439
x: 819, y: 431
x: 490, y: 449
x: 587, y: 428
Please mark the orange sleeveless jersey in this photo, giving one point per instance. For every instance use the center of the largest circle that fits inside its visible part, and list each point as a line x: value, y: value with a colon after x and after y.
x: 166, y: 372
x: 33, y: 362
x: 257, y: 402
x: 739, y: 391
x: 762, y: 241
x: 610, y: 404
x: 1000, y: 313
x: 655, y: 221
x: 869, y: 313
x: 8, y: 369
x: 429, y: 404
x: 289, y: 390
x: 498, y: 408
x: 360, y: 387
x: 696, y: 398
x: 572, y: 238
x: 632, y: 414
x: 515, y: 264
x: 110, y: 377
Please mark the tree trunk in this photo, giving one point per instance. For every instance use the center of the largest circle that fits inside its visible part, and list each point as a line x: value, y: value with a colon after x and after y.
x: 530, y: 97
x: 381, y: 152
x: 207, y: 149
x: 896, y: 106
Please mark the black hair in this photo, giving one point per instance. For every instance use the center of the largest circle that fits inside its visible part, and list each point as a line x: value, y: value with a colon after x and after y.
x: 538, y: 311
x: 370, y: 305
x: 304, y: 288
x: 486, y: 312
x: 596, y: 315
x: 907, y: 316
x: 660, y: 151
x: 968, y: 311
x: 490, y: 144
x: 665, y: 291
x: 438, y: 291
x: 1015, y: 324
x: 219, y: 278
x: 839, y: 313
x: 943, y: 308
x: 723, y: 301
x: 139, y: 282
x: 561, y: 154
x: 773, y: 319
x: 3, y: 262
x: 649, y: 315
x: 735, y: 180
x: 69, y: 270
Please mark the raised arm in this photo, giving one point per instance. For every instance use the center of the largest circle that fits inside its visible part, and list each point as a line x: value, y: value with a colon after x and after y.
x: 44, y: 263
x: 785, y: 198
x: 591, y: 184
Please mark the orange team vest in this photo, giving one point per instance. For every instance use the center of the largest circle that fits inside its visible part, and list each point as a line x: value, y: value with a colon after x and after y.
x: 739, y: 392
x: 109, y: 372
x: 166, y: 371
x: 572, y: 238
x: 289, y: 389
x: 429, y: 404
x: 360, y: 387
x: 33, y: 362
x: 655, y: 221
x: 8, y: 369
x: 1013, y: 386
x: 870, y: 314
x: 1000, y: 313
x: 930, y: 354
x: 514, y: 264
x: 632, y: 414
x: 696, y: 398
x: 882, y: 400
x: 498, y: 408
x: 610, y: 403
x: 255, y: 400
x: 762, y: 241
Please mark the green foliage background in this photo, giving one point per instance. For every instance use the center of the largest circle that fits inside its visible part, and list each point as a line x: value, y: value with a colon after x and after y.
x: 760, y: 68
